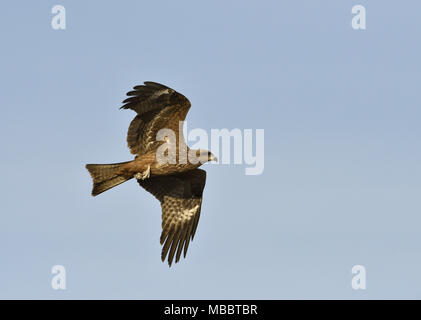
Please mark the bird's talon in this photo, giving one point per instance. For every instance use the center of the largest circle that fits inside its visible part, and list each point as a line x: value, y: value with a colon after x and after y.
x: 143, y: 175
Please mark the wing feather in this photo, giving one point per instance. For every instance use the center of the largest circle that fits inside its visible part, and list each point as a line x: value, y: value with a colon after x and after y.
x: 181, y: 199
x: 157, y: 107
x: 188, y: 237
x: 182, y: 241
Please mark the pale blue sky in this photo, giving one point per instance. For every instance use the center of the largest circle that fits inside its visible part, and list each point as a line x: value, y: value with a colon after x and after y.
x: 341, y: 114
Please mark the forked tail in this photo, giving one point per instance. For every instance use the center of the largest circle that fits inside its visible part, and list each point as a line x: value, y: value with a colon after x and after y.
x: 106, y: 176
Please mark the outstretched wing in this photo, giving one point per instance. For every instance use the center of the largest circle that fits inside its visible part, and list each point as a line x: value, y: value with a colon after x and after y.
x: 157, y: 107
x: 181, y: 200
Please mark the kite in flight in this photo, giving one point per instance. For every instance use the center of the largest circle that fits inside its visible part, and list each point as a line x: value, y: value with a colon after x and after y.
x: 178, y: 185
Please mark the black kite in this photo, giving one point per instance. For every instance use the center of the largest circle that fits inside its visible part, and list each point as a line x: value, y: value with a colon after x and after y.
x: 178, y: 186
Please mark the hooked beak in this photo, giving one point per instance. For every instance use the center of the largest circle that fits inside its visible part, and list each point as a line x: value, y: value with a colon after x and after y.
x: 213, y: 158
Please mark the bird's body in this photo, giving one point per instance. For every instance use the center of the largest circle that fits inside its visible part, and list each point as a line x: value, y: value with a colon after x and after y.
x: 164, y: 167
x: 141, y: 164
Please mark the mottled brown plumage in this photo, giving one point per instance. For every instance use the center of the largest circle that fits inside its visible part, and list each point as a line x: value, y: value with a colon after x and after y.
x: 178, y: 186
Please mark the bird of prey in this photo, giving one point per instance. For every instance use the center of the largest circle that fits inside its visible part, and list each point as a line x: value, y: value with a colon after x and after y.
x: 178, y: 185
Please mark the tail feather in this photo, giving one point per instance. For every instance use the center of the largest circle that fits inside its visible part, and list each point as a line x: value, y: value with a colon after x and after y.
x: 105, y: 176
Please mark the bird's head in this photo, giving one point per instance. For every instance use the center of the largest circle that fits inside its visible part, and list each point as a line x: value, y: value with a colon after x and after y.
x: 205, y: 156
